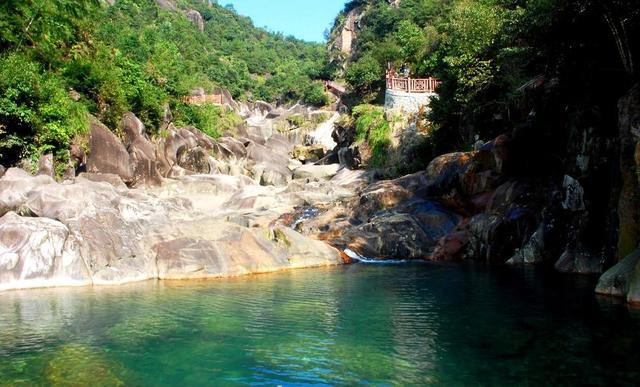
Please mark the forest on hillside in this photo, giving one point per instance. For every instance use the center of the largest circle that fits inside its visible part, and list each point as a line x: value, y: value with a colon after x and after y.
x: 499, y: 60
x: 60, y: 60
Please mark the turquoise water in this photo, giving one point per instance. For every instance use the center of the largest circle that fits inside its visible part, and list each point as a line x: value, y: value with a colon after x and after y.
x: 361, y: 324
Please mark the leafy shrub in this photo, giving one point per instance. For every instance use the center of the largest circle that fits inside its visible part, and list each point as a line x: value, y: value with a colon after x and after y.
x: 364, y: 74
x: 36, y: 113
x: 210, y: 119
x: 372, y: 127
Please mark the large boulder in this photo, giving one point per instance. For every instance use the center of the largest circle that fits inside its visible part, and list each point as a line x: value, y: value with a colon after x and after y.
x: 142, y: 152
x: 623, y: 279
x: 579, y: 261
x: 229, y: 148
x: 629, y: 202
x: 15, y: 185
x: 145, y: 163
x: 268, y: 167
x: 390, y: 236
x: 196, y: 18
x: 37, y: 252
x: 107, y: 153
x: 132, y: 127
x: 460, y: 175
x: 279, y: 144
x: 316, y: 171
x: 194, y: 160
x: 210, y: 248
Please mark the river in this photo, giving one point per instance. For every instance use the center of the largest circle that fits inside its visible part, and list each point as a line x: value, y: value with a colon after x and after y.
x: 410, y: 324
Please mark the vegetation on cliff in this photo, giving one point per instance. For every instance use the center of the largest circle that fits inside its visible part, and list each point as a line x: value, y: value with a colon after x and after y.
x: 490, y: 53
x: 554, y: 82
x: 60, y: 60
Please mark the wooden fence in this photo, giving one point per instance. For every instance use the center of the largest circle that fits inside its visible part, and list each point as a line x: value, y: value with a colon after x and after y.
x: 411, y: 85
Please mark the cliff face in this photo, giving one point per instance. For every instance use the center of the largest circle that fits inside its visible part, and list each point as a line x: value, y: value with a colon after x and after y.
x: 342, y: 41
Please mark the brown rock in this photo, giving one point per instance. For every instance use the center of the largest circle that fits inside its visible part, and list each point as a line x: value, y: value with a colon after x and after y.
x: 145, y: 163
x: 107, y: 153
x: 308, y: 154
x: 194, y: 160
x: 132, y: 127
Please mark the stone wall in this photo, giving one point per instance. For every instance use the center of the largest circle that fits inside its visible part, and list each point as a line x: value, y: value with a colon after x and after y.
x: 407, y: 102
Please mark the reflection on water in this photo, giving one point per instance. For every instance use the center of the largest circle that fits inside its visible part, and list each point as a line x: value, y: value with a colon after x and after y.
x: 382, y: 325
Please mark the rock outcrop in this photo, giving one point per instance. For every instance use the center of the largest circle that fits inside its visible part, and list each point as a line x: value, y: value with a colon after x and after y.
x: 108, y: 154
x: 623, y: 280
x: 89, y: 232
x: 196, y: 18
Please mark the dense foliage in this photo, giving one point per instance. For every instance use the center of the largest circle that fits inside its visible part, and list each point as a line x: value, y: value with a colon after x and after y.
x: 491, y: 53
x: 61, y: 59
x: 372, y: 127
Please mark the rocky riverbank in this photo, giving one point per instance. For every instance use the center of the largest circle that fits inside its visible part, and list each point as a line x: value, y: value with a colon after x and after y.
x: 179, y: 206
x: 187, y: 206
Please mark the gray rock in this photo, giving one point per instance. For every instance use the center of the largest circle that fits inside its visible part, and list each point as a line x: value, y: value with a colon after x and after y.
x: 268, y: 167
x: 167, y: 4
x: 623, y: 279
x: 145, y: 163
x: 579, y: 261
x: 2, y: 171
x: 14, y: 187
x: 45, y: 165
x: 196, y: 18
x: 574, y: 194
x: 167, y: 116
x: 108, y: 178
x: 533, y: 251
x: 316, y: 171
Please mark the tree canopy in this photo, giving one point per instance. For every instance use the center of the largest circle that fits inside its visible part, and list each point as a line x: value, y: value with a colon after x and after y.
x: 62, y: 59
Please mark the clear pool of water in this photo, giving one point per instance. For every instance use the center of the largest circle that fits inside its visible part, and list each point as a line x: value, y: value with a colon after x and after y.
x: 360, y: 324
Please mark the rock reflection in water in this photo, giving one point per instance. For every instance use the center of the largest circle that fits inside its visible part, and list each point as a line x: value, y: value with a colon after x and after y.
x: 360, y: 324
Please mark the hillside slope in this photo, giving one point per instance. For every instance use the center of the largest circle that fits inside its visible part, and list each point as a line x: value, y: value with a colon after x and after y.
x: 60, y: 60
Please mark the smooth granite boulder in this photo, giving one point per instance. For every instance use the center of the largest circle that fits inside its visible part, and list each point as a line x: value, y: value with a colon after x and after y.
x: 38, y: 252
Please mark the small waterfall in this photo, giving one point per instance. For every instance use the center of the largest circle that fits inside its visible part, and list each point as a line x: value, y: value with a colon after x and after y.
x: 322, y: 134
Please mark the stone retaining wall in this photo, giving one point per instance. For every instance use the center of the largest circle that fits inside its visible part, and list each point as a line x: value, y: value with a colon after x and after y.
x: 407, y: 102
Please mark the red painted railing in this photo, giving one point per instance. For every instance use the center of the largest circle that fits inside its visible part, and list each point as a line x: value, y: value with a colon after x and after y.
x: 411, y: 85
x: 215, y: 99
